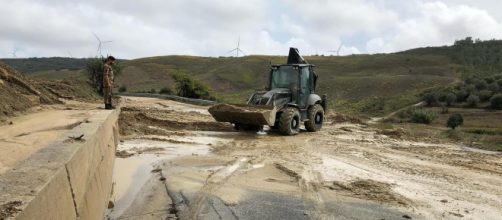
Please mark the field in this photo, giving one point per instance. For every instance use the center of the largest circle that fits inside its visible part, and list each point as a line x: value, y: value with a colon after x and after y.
x: 481, y: 128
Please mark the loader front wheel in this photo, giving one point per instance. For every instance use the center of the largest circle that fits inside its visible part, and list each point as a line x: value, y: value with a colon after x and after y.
x: 289, y: 122
x: 316, y: 118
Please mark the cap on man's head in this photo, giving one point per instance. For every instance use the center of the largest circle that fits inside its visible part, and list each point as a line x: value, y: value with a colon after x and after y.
x: 111, y: 58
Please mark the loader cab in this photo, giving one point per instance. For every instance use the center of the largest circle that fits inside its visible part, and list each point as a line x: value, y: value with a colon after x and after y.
x: 299, y: 79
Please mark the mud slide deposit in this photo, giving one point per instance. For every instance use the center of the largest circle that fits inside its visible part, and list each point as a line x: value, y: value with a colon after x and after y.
x: 184, y: 164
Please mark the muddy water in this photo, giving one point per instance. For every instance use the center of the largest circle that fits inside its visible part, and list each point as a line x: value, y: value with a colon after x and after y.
x: 132, y: 172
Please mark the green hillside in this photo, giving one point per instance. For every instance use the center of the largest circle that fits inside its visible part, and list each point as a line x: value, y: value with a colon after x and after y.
x: 371, y: 85
x: 32, y: 65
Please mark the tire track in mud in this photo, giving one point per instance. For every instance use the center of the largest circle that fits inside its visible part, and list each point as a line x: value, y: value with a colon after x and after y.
x: 213, y: 182
x: 427, y: 176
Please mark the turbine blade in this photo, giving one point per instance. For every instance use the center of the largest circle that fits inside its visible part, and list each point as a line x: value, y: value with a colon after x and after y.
x: 96, y: 36
x: 242, y: 52
x: 232, y: 50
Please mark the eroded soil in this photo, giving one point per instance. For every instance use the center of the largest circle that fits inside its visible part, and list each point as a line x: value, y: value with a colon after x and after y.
x: 346, y: 171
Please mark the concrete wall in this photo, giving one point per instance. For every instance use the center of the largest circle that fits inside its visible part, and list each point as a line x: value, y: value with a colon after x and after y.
x: 68, y: 179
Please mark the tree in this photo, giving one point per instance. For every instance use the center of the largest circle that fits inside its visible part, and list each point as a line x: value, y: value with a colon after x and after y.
x: 431, y: 98
x: 494, y: 87
x: 165, y: 90
x: 472, y: 101
x: 454, y: 121
x: 496, y: 101
x: 186, y: 86
x: 423, y: 116
x: 95, y: 74
x: 462, y: 95
x: 123, y: 89
x: 450, y: 98
x: 485, y: 95
x: 481, y: 84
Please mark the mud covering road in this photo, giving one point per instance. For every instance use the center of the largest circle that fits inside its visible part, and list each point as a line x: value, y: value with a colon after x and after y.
x: 178, y: 163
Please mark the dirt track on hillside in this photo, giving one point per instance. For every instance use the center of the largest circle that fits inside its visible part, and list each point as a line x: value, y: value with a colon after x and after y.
x: 345, y: 162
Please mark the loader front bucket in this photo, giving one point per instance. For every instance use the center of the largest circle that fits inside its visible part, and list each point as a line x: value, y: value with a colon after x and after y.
x: 244, y: 114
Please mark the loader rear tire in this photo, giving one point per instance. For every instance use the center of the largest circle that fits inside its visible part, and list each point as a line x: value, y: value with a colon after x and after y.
x: 316, y: 118
x: 289, y: 122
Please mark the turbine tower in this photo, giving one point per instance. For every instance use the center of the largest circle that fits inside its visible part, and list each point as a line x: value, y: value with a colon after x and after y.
x: 238, y: 49
x: 337, y: 51
x: 13, y: 53
x: 100, y: 44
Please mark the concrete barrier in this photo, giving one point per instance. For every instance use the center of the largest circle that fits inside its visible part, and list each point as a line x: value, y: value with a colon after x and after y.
x: 69, y: 179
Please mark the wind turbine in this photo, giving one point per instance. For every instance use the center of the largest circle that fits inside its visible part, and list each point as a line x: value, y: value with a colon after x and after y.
x: 338, y: 50
x: 13, y: 53
x: 100, y: 44
x: 238, y: 48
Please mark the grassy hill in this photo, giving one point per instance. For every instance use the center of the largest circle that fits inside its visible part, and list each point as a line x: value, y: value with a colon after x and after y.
x: 370, y: 85
x: 32, y: 65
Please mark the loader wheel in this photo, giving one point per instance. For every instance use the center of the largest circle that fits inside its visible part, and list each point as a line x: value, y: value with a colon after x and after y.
x: 289, y: 123
x: 316, y: 118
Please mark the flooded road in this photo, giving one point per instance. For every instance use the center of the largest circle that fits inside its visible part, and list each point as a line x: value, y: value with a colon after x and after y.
x: 139, y: 158
x: 179, y: 163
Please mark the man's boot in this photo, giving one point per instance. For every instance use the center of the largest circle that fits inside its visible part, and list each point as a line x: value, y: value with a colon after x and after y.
x: 108, y: 106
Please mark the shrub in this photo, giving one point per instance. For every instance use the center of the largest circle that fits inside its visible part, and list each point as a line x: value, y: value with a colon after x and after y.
x: 423, y: 116
x: 489, y: 79
x: 496, y: 101
x: 494, y: 87
x: 470, y: 80
x: 499, y: 82
x: 471, y: 89
x: 481, y: 84
x: 153, y: 91
x: 123, y: 89
x: 431, y: 98
x: 472, y: 101
x: 485, y: 95
x: 165, y: 90
x: 188, y: 87
x: 455, y: 121
x: 462, y: 95
x: 450, y: 98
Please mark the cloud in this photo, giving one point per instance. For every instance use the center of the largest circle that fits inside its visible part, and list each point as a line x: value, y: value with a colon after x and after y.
x: 212, y: 27
x: 438, y: 24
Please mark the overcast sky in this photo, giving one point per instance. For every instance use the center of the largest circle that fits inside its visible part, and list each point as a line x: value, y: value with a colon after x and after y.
x: 43, y: 28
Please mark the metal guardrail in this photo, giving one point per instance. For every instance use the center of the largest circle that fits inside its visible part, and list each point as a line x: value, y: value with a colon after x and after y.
x: 169, y: 97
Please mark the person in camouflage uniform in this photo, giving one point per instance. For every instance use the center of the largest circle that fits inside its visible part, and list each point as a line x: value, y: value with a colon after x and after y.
x: 108, y: 81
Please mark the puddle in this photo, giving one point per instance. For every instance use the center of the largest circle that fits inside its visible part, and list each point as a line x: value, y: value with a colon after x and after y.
x: 131, y: 173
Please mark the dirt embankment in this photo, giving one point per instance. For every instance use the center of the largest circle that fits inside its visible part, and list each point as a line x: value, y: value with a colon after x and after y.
x: 164, y: 121
x: 20, y: 93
